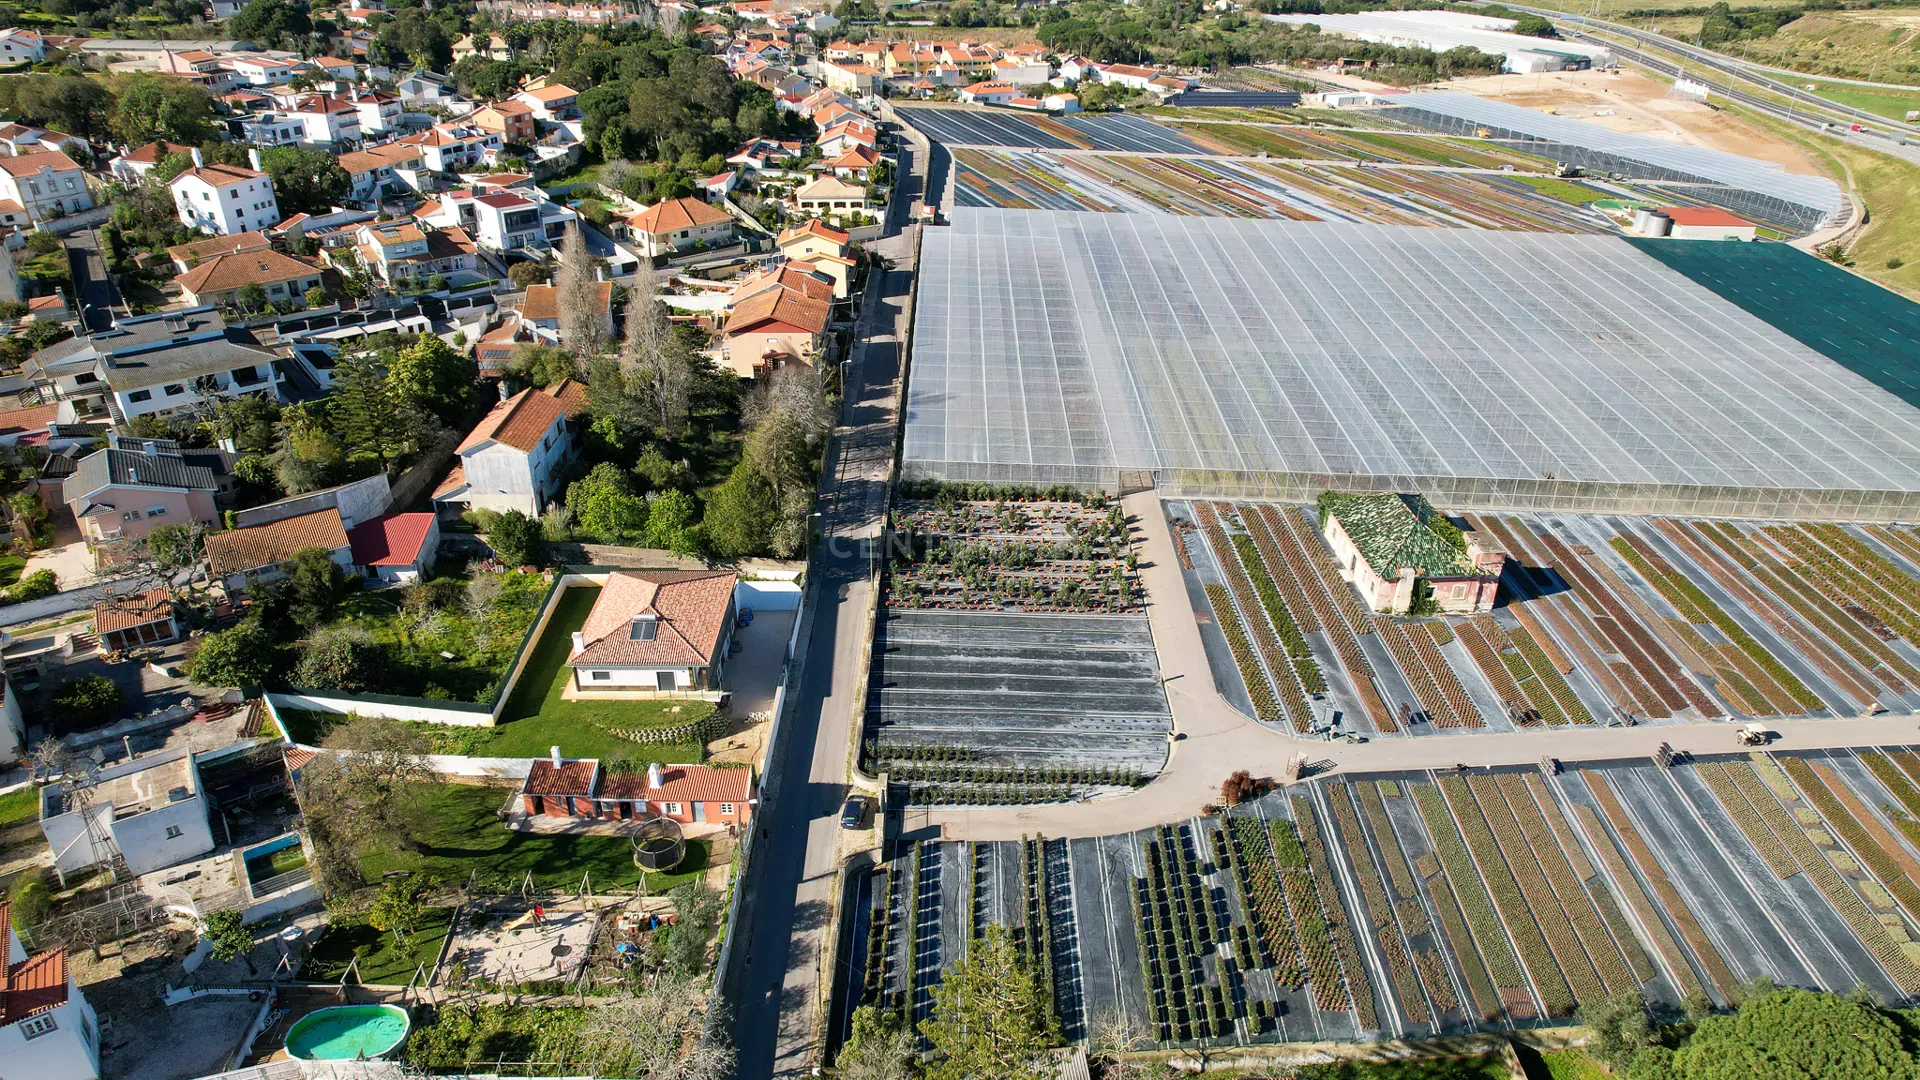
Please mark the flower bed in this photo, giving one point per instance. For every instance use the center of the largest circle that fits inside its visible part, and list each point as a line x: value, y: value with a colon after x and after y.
x: 1886, y: 865
x: 1314, y: 843
x: 1400, y: 969
x: 1259, y: 688
x: 1749, y: 821
x: 1643, y: 905
x: 1606, y: 958
x: 1264, y: 901
x: 1246, y: 604
x: 1024, y: 556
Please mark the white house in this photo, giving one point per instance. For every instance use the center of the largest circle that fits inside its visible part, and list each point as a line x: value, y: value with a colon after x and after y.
x: 262, y: 70
x: 453, y: 147
x: 989, y: 93
x: 675, y: 224
x: 48, y: 1031
x: 555, y: 102
x: 380, y: 111
x: 149, y: 811
x: 226, y: 199
x: 653, y: 631
x: 240, y: 557
x: 46, y: 184
x: 332, y: 123
x: 396, y: 547
x: 512, y: 459
x: 21, y: 46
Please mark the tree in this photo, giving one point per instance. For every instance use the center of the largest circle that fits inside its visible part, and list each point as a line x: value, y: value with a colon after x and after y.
x: 1534, y: 26
x: 879, y: 1047
x: 527, y: 273
x: 671, y: 519
x: 698, y: 908
x: 604, y: 504
x: 87, y: 702
x: 516, y: 539
x: 270, y: 22
x: 310, y: 455
x: 29, y: 513
x: 401, y: 906
x: 161, y: 107
x: 583, y: 322
x: 432, y: 375
x: 172, y: 548
x: 68, y: 101
x: 314, y: 585
x: 344, y: 658
x: 363, y: 407
x: 304, y: 179
x: 787, y: 419
x: 990, y: 1016
x: 245, y: 656
x: 659, y: 1032
x: 1794, y: 1035
x: 543, y: 365
x: 741, y: 514
x: 363, y: 798
x: 227, y: 936
x: 79, y: 153
x: 250, y: 297
x: 1621, y: 1028
x: 316, y: 297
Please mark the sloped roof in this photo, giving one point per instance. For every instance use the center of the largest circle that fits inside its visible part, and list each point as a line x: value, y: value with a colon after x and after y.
x: 519, y: 422
x: 34, y: 985
x: 32, y: 418
x: 217, y: 174
x: 126, y: 612
x: 557, y: 91
x: 391, y: 540
x: 795, y: 276
x: 672, y: 214
x: 689, y: 606
x: 111, y: 466
x: 29, y: 164
x: 543, y: 301
x: 571, y: 395
x: 831, y: 187
x: 682, y: 784
x: 238, y: 550
x: 1392, y: 531
x: 573, y: 777
x: 239, y: 269
x: 779, y: 305
x: 218, y: 245
x: 151, y: 153
x: 1705, y: 215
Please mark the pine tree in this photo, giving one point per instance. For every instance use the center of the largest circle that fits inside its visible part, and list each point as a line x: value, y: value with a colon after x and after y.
x: 363, y: 407
x: 990, y: 1016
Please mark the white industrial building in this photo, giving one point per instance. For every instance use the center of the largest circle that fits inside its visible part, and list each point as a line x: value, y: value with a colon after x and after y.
x: 1440, y: 31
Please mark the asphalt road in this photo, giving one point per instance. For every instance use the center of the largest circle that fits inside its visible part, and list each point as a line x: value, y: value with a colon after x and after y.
x: 92, y: 286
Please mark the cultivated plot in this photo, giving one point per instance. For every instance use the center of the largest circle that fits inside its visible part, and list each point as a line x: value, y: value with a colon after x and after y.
x: 1414, y: 904
x: 964, y: 127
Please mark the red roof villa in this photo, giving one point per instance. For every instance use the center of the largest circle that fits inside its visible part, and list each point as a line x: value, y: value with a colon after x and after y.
x: 653, y: 631
x: 689, y: 794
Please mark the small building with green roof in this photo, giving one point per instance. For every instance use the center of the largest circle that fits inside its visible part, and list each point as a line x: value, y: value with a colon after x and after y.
x: 1397, y: 550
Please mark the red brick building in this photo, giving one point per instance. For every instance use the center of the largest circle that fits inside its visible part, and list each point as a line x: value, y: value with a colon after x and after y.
x: 689, y: 794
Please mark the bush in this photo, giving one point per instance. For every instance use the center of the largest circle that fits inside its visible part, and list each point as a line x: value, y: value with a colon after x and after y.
x: 40, y: 583
x: 32, y: 899
x: 87, y: 702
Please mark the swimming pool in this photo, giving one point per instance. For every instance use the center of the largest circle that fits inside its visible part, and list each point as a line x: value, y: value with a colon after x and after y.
x: 347, y: 1032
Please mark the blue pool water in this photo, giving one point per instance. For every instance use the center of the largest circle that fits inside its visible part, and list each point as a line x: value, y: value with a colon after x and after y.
x: 346, y: 1032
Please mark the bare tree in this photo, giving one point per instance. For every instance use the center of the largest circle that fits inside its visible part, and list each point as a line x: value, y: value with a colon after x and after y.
x: 1110, y: 1038
x: 660, y: 1032
x: 583, y: 320
x: 362, y: 798
x: 655, y: 366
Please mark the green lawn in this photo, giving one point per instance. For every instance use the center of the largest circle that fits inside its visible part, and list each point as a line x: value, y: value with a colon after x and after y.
x: 1577, y: 194
x: 382, y: 958
x: 19, y: 807
x: 10, y: 567
x: 462, y: 836
x: 1892, y: 104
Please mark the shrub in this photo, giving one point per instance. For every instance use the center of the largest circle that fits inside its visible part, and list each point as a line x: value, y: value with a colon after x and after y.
x: 40, y: 583
x: 87, y: 702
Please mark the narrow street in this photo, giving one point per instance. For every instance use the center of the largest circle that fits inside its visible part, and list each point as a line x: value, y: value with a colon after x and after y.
x: 93, y: 289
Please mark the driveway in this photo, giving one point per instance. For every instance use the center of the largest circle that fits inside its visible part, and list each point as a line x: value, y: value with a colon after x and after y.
x: 69, y: 558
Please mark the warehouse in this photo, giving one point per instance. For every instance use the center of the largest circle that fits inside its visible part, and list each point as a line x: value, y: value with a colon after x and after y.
x: 1230, y: 356
x: 1439, y: 31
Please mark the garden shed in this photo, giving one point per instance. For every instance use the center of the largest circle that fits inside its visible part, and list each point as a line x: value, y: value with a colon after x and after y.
x: 131, y: 621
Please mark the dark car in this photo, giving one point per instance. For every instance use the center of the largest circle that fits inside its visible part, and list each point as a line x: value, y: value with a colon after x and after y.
x: 853, y: 812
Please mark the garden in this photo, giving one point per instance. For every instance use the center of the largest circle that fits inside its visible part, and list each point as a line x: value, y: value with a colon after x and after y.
x: 1031, y: 552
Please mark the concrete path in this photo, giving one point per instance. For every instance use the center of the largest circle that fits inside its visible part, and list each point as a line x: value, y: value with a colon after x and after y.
x: 1219, y: 740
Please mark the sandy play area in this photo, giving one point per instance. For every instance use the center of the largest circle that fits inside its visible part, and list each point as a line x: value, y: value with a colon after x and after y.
x: 1629, y: 101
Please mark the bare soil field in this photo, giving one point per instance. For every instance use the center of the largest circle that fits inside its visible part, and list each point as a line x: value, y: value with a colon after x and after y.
x: 1630, y: 102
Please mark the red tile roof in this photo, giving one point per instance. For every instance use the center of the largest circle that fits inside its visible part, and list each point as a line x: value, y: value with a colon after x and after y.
x: 32, y: 418
x: 572, y: 397
x: 297, y: 757
x: 573, y: 777
x: 689, y: 605
x: 681, y: 213
x: 126, y: 612
x: 682, y: 784
x: 519, y: 422
x: 35, y: 985
x: 238, y: 550
x: 1704, y: 215
x: 392, y: 540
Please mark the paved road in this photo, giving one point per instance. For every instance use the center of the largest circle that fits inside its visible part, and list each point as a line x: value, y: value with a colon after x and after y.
x: 92, y: 286
x: 790, y: 885
x: 1218, y: 740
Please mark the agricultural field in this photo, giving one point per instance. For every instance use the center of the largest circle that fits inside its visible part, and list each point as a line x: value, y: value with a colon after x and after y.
x: 1602, y: 620
x: 1012, y: 662
x: 1219, y: 187
x: 1422, y: 904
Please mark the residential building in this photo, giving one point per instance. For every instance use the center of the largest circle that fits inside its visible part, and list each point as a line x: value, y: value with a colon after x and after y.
x: 357, y: 501
x: 155, y: 363
x: 17, y: 139
x: 845, y: 134
x: 262, y: 70
x: 218, y: 280
x: 831, y: 197
x: 854, y: 164
x: 656, y: 630
x: 848, y: 76
x: 674, y: 225
x: 126, y: 490
x: 689, y: 794
x: 502, y: 220
x: 332, y: 123
x: 391, y: 171
x: 13, y: 733
x: 225, y: 199
x: 759, y: 155
x: 511, y: 120
x: 427, y: 88
x: 1061, y: 103
x: 396, y: 547
x: 1397, y: 550
x: 241, y: 557
x: 989, y: 93
x: 21, y: 46
x: 1017, y: 71
x: 133, y: 166
x: 401, y: 253
x: 187, y: 256
x: 541, y: 309
x: 149, y: 811
x: 512, y: 459
x: 772, y: 328
x: 449, y: 148
x: 45, y: 184
x: 267, y: 129
x: 821, y: 249
x: 556, y: 102
x: 493, y: 47
x: 48, y: 1031
x: 340, y: 70
x: 135, y: 620
x: 380, y: 111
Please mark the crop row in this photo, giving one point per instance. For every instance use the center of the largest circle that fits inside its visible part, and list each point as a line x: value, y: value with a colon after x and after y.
x: 1647, y: 657
x: 1259, y: 689
x: 1425, y: 687
x: 879, y: 945
x: 1843, y: 581
x: 1604, y: 954
x: 1442, y: 672
x: 938, y: 793
x: 1457, y: 862
x: 1510, y: 899
x: 1406, y: 981
x: 1760, y: 666
x: 1282, y: 665
x: 1316, y: 939
x: 1748, y: 819
x: 1896, y: 781
x: 1567, y: 703
x: 1642, y: 904
x: 1270, y: 598
x: 1501, y: 674
x: 1176, y: 927
x: 1389, y: 844
x: 1814, y: 606
x: 1880, y: 854
x: 910, y: 1003
x: 1339, y: 611
x: 968, y: 772
x: 1037, y: 941
x: 1535, y: 892
x: 1745, y: 589
x: 1263, y: 900
x: 1259, y: 524
x: 1869, y: 563
x: 1315, y: 844
x: 1900, y: 540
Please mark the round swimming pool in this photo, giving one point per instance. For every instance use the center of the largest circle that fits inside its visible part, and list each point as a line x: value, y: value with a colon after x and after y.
x: 347, y: 1032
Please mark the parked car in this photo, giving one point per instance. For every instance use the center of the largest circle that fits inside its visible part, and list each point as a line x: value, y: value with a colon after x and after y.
x: 853, y: 812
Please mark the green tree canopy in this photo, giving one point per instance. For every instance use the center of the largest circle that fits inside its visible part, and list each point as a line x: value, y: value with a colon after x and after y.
x: 605, y: 506
x: 990, y: 1016
x: 1792, y: 1035
x: 153, y: 107
x: 516, y: 539
x: 244, y: 656
x: 432, y: 375
x: 87, y: 702
x: 741, y: 514
x: 672, y: 517
x: 305, y: 179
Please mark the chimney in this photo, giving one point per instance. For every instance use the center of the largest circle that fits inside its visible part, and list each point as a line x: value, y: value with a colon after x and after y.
x: 579, y: 641
x: 253, y: 159
x: 555, y: 751
x: 504, y: 395
x: 199, y: 161
x: 653, y: 776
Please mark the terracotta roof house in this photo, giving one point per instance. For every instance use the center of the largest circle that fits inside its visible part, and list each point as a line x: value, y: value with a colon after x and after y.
x: 218, y: 280
x: 677, y: 224
x: 541, y: 308
x: 771, y: 328
x: 240, y: 557
x: 133, y: 166
x: 689, y: 794
x: 512, y: 459
x: 554, y: 102
x: 128, y: 622
x: 48, y: 1029
x: 512, y: 120
x: 853, y: 163
x: 186, y: 256
x: 395, y: 547
x: 822, y: 249
x: 1397, y: 550
x: 831, y: 197
x: 1708, y: 223
x: 653, y: 631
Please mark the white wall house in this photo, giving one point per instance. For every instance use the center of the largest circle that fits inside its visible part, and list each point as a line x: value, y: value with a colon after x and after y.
x: 512, y: 459
x: 225, y: 199
x: 20, y: 46
x: 47, y: 184
x: 149, y: 811
x: 655, y: 631
x: 50, y: 1032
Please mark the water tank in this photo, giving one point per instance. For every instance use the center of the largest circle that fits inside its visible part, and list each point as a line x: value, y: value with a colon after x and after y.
x: 1652, y: 223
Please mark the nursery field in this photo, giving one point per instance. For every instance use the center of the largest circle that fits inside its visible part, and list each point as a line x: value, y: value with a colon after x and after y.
x: 1420, y: 904
x: 1011, y: 659
x: 1301, y: 191
x: 1602, y: 619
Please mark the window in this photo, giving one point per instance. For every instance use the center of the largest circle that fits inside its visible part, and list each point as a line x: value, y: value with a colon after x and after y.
x: 35, y: 1026
x: 156, y: 511
x: 726, y: 808
x: 140, y: 395
x: 130, y: 515
x: 173, y: 832
x: 174, y: 389
x: 673, y: 808
x: 602, y: 676
x: 35, y: 185
x: 86, y: 377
